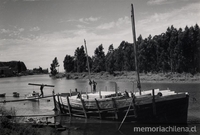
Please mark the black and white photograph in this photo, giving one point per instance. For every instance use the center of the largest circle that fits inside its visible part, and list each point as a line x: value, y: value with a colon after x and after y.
x: 99, y: 67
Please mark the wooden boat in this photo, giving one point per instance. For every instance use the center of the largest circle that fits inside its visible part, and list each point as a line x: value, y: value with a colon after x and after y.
x: 15, y: 94
x: 3, y: 95
x: 34, y: 96
x: 168, y: 106
x: 159, y: 106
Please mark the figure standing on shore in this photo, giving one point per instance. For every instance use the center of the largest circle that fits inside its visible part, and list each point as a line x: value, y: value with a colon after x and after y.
x: 90, y: 83
x: 41, y: 89
x: 94, y: 86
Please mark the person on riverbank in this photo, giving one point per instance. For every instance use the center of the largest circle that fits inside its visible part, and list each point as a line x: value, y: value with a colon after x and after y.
x: 94, y: 86
x: 41, y: 89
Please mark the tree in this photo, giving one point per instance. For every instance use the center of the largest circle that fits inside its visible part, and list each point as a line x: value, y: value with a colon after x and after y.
x: 80, y: 59
x: 119, y: 56
x: 68, y: 63
x: 19, y: 67
x: 53, y: 67
x: 110, y: 60
x: 128, y: 57
x: 40, y: 69
x: 99, y: 59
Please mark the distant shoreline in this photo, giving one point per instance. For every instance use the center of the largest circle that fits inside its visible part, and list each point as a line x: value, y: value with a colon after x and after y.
x: 131, y: 76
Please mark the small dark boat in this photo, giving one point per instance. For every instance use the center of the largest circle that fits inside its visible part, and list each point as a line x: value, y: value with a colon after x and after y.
x: 15, y: 94
x: 3, y: 95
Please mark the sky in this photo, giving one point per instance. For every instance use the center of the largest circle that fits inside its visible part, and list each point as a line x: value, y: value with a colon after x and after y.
x: 37, y: 31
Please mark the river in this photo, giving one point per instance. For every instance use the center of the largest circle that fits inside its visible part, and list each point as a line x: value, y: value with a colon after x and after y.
x: 45, y: 106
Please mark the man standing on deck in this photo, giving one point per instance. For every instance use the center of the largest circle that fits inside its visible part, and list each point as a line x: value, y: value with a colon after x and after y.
x: 94, y: 86
x: 41, y: 89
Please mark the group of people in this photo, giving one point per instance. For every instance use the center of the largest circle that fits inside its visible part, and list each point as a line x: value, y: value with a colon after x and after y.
x: 93, y: 84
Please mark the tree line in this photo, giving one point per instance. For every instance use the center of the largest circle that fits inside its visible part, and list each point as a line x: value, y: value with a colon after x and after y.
x: 176, y: 50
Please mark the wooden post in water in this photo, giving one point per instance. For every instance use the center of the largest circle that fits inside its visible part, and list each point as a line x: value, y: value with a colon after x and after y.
x: 62, y: 105
x: 116, y: 91
x: 115, y: 108
x: 100, y: 93
x: 69, y: 106
x: 153, y: 103
x: 70, y: 92
x: 59, y: 103
x: 86, y: 93
x: 97, y: 103
x: 84, y: 109
x: 54, y: 100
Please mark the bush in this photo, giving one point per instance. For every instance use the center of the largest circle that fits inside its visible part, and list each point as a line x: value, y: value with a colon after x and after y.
x: 9, y: 125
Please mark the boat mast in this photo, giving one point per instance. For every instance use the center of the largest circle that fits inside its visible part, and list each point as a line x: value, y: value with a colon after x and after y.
x: 88, y: 63
x: 135, y: 48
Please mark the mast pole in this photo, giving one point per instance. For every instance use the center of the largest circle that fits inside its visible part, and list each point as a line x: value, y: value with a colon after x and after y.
x: 88, y: 63
x: 135, y: 48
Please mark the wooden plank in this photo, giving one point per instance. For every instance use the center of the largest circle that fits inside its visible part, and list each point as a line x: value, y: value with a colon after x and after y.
x: 77, y: 115
x: 69, y: 106
x: 84, y: 109
x: 41, y: 85
x: 97, y: 103
x: 62, y: 105
x: 59, y: 104
x: 153, y: 102
x: 125, y: 116
x: 133, y: 101
x: 115, y: 108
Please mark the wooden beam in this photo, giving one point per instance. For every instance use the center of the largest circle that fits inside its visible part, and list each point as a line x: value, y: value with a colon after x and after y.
x: 59, y: 103
x: 69, y: 106
x: 41, y: 85
x: 84, y: 109
x: 115, y: 108
x: 97, y: 103
x: 153, y: 102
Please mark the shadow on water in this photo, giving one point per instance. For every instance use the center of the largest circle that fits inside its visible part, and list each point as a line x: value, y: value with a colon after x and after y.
x: 81, y: 126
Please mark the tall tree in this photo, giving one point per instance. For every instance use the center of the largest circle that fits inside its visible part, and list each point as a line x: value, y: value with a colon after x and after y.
x: 110, y: 60
x: 99, y: 59
x: 68, y: 63
x: 80, y: 59
x: 53, y: 67
x: 119, y: 56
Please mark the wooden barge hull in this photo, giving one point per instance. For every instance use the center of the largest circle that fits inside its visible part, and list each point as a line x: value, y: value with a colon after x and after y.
x: 166, y: 109
x: 174, y: 110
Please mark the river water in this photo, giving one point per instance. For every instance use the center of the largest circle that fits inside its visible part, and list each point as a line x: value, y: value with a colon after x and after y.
x: 45, y: 106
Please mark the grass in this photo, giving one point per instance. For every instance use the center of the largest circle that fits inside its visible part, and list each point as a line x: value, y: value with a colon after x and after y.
x: 10, y: 126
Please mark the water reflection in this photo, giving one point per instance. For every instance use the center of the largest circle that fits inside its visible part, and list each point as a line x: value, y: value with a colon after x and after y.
x: 80, y: 126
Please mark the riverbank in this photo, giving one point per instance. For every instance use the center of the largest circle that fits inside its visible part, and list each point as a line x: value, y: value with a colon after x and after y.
x: 131, y: 76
